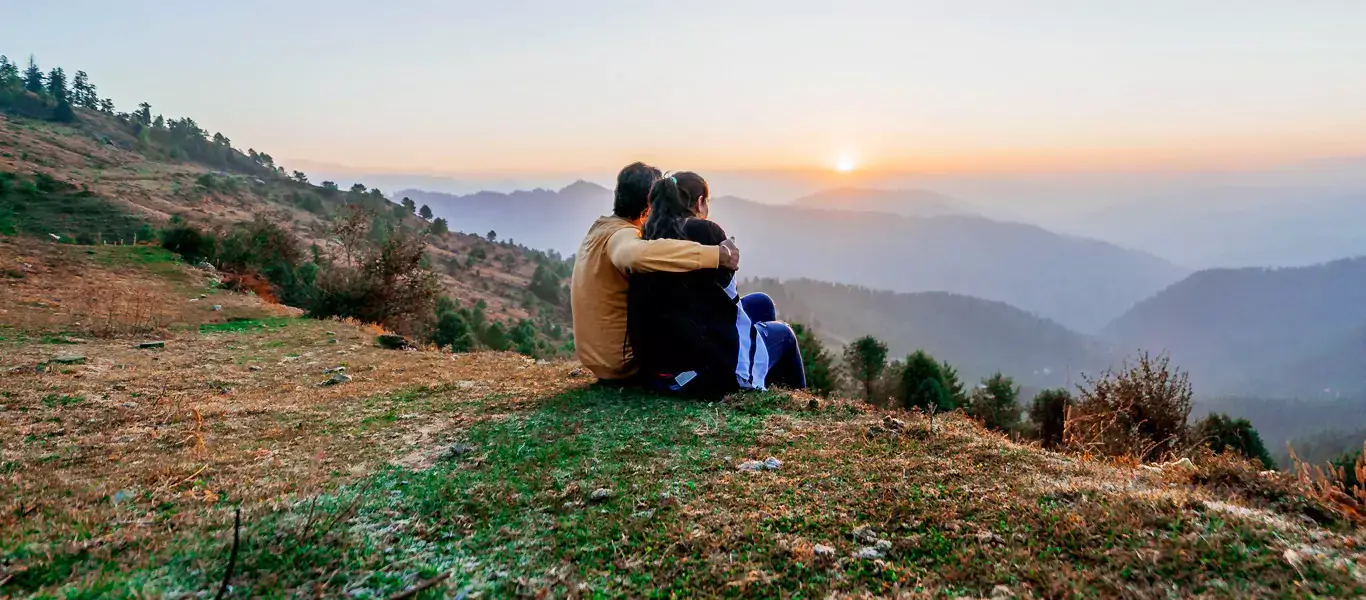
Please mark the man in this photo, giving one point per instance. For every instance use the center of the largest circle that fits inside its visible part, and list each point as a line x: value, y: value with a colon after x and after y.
x: 610, y: 252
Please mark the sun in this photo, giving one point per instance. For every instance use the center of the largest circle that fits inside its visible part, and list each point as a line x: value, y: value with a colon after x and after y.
x: 845, y: 164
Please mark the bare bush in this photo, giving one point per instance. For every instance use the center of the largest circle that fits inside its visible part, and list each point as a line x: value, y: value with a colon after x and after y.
x: 1341, y: 484
x: 1138, y: 412
x: 376, y: 274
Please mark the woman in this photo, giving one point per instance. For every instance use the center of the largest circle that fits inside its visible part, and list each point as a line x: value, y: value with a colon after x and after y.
x: 691, y: 332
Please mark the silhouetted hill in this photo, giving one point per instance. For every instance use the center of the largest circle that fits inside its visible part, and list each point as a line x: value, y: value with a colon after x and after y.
x: 1270, y: 332
x: 907, y: 203
x: 1078, y: 282
x: 978, y: 336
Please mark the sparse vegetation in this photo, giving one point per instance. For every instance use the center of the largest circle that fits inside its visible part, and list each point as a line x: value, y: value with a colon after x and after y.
x: 996, y: 403
x: 1138, y: 411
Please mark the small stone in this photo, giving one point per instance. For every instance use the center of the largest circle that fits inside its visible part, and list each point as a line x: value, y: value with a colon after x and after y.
x: 1184, y: 464
x: 254, y: 368
x: 865, y: 535
x: 772, y: 463
x: 337, y: 379
x: 893, y: 423
x: 120, y: 496
x: 69, y: 359
x: 334, y: 370
x: 457, y: 451
x: 203, y: 296
x: 542, y: 362
x: 1002, y: 591
x: 330, y: 332
x: 578, y: 372
x: 600, y: 495
x: 155, y: 344
x: 988, y: 537
x: 751, y: 465
x: 644, y: 515
x: 74, y: 340
x: 883, y: 546
x: 217, y: 308
x: 823, y: 551
x: 868, y: 553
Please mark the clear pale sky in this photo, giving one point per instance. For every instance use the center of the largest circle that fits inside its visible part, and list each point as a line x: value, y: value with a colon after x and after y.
x: 566, y: 85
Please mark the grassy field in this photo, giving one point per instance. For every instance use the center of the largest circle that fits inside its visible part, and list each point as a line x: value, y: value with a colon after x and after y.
x: 491, y: 475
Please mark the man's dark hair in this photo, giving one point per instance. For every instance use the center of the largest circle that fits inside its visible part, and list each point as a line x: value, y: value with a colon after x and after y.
x: 633, y: 190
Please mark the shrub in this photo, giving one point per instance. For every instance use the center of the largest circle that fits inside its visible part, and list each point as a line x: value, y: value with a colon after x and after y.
x: 546, y: 286
x: 495, y: 337
x: 376, y: 277
x: 1139, y: 411
x: 187, y: 241
x: 996, y: 403
x: 1048, y: 413
x: 453, y: 332
x: 1223, y: 433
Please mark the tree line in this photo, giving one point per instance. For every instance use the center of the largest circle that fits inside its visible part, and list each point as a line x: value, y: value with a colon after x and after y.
x: 1140, y: 410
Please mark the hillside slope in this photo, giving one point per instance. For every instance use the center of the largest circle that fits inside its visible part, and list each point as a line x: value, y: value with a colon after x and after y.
x: 1078, y: 282
x: 108, y: 171
x: 979, y: 337
x: 1290, y: 332
x: 492, y: 475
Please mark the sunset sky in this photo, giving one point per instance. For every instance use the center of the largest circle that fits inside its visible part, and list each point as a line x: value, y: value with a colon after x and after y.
x: 452, y: 87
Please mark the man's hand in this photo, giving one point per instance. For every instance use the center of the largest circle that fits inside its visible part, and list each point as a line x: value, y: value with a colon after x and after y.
x: 730, y: 255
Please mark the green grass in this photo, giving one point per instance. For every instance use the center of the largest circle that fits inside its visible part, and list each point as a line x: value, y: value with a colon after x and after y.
x: 513, y: 515
x: 54, y: 400
x: 245, y: 325
x: 500, y: 507
x: 41, y: 206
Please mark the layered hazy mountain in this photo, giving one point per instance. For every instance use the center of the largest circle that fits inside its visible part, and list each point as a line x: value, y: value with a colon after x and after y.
x: 1289, y: 332
x: 1078, y: 282
x: 979, y: 337
x: 907, y: 203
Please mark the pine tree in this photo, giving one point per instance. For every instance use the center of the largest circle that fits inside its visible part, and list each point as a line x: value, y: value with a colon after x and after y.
x: 9, y: 73
x: 107, y: 106
x: 425, y: 212
x: 144, y: 114
x: 996, y: 403
x: 56, y: 84
x: 866, y: 359
x: 439, y: 226
x: 491, y: 235
x: 33, y: 76
x: 409, y: 204
x: 820, y: 365
x: 80, y: 88
x: 922, y: 384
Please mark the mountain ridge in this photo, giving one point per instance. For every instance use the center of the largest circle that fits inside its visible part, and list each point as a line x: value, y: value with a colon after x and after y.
x: 1080, y: 282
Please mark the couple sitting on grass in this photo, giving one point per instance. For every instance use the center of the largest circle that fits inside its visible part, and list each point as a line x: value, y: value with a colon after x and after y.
x: 655, y: 303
